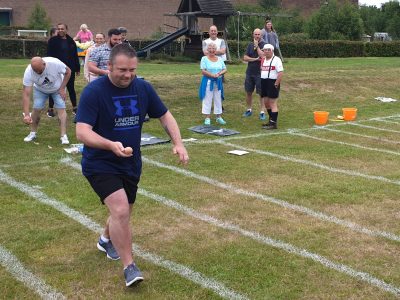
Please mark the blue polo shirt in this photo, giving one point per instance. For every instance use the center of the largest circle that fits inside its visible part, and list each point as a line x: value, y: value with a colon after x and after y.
x: 117, y: 114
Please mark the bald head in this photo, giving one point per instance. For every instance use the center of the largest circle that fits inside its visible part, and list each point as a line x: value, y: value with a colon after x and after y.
x: 257, y: 34
x: 38, y: 64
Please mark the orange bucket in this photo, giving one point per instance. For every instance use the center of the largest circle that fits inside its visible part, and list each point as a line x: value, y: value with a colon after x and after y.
x: 349, y: 114
x: 321, y: 117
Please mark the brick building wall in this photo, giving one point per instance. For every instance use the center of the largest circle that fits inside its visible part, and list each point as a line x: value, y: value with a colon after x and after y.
x: 142, y: 17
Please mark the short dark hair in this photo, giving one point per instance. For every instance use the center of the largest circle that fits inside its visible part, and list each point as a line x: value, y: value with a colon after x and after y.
x: 66, y: 26
x: 53, y: 31
x: 113, y: 31
x: 122, y: 49
x: 123, y: 29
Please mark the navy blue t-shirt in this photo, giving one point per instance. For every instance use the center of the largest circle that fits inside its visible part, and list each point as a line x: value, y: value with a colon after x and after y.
x: 253, y: 67
x: 117, y: 114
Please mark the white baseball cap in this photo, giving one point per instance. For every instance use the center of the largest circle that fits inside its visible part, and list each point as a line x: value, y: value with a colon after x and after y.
x: 268, y: 46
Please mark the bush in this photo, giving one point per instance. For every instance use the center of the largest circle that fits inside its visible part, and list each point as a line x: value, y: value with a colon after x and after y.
x: 38, y: 18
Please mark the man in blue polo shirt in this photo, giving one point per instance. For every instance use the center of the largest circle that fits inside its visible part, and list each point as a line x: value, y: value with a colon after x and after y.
x: 109, y: 120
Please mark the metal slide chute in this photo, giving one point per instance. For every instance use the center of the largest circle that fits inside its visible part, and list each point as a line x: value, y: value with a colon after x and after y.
x: 162, y: 42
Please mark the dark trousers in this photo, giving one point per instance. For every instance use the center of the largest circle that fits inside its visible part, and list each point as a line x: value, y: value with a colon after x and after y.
x: 71, y: 91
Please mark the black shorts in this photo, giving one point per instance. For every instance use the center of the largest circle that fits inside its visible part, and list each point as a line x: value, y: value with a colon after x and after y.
x: 106, y: 184
x: 268, y: 88
x: 251, y: 82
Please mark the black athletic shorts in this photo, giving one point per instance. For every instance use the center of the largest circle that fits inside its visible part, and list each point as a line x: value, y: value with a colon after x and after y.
x: 268, y: 88
x: 106, y: 184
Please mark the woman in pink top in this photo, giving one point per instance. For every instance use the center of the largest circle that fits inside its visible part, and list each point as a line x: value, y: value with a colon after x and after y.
x: 84, y: 35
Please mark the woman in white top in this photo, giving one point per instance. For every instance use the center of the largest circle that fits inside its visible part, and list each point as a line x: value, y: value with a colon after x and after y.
x: 211, y: 87
x: 271, y: 77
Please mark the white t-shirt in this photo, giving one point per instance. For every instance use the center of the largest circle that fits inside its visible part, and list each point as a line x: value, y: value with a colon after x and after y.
x: 50, y: 80
x: 220, y: 44
x: 272, y: 68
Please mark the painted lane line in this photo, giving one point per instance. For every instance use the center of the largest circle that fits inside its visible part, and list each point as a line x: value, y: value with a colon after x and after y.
x: 314, y: 164
x: 345, y: 144
x: 385, y: 121
x: 19, y: 272
x: 305, y: 210
x: 274, y: 243
x: 374, y: 127
x: 362, y: 135
x: 182, y: 270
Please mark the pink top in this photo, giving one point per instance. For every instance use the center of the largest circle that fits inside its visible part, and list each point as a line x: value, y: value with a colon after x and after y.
x: 85, y: 36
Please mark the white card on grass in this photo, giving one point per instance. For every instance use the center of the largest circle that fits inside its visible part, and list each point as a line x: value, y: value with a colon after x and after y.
x: 238, y: 152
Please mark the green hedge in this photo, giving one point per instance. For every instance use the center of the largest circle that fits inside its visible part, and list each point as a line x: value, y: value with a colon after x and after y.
x: 316, y: 48
x: 18, y: 48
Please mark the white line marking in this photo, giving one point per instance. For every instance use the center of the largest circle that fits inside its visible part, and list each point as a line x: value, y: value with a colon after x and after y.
x: 15, y: 267
x: 373, y: 127
x: 384, y: 121
x: 362, y: 135
x: 182, y: 270
x: 274, y: 243
x: 314, y: 164
x: 315, y: 214
x: 345, y: 144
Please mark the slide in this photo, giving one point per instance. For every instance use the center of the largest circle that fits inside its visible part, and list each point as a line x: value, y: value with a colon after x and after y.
x: 162, y: 42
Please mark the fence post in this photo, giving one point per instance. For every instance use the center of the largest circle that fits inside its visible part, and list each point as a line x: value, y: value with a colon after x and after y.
x: 23, y: 48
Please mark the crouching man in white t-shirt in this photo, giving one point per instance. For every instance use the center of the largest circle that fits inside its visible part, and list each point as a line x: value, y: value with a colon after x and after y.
x: 48, y: 76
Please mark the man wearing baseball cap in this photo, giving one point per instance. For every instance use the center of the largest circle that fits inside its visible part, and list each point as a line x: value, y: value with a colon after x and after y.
x: 271, y: 76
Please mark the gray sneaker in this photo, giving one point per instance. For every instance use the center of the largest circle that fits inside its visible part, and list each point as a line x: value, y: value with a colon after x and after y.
x: 132, y: 275
x: 108, y: 248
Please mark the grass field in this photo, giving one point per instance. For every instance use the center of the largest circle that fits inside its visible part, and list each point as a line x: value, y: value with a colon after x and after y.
x: 309, y: 213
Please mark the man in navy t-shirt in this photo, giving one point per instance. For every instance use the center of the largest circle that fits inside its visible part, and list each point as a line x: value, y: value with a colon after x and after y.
x: 109, y: 122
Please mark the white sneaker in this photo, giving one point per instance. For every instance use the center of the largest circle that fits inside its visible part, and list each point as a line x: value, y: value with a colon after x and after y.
x: 64, y: 140
x: 31, y: 136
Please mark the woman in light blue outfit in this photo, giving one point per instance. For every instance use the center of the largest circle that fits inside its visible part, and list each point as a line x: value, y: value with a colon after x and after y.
x: 211, y: 87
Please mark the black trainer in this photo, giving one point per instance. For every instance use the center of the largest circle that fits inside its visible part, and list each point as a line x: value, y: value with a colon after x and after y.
x: 270, y: 126
x: 50, y: 113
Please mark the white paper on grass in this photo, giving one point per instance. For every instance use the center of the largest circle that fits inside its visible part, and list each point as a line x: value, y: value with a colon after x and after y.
x: 189, y: 140
x: 384, y: 99
x: 238, y: 152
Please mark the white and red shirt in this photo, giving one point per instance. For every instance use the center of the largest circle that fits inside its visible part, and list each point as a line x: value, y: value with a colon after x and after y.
x: 271, y: 67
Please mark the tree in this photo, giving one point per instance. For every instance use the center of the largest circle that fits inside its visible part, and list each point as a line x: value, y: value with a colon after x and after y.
x: 38, y: 18
x: 269, y: 4
x: 336, y: 22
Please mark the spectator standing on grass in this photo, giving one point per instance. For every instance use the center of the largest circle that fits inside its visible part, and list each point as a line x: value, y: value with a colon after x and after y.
x: 63, y: 47
x: 219, y: 43
x: 253, y: 79
x: 211, y: 86
x: 110, y: 118
x: 84, y: 35
x: 100, y: 39
x: 271, y: 77
x: 124, y: 33
x: 50, y: 111
x: 98, y: 59
x: 48, y: 76
x: 269, y: 36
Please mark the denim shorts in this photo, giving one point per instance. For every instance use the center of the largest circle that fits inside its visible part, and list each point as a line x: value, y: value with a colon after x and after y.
x: 40, y: 99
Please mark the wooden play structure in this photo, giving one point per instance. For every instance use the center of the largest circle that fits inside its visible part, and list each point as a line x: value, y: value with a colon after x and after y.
x: 188, y: 13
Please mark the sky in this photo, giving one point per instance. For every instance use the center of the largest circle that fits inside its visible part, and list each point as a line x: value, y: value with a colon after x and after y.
x: 377, y: 3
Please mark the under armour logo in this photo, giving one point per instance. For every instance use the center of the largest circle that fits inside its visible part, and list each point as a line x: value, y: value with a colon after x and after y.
x: 126, y: 107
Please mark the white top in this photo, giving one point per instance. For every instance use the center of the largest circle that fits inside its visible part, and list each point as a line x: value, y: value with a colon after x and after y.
x: 272, y: 68
x: 220, y: 44
x: 50, y: 80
